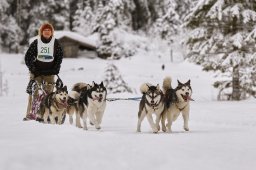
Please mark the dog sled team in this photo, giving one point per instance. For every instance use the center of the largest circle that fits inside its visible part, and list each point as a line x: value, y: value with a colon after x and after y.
x: 50, y: 101
x: 87, y: 102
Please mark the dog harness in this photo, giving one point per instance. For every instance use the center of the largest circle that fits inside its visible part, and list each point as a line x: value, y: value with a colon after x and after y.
x: 45, y: 50
x: 181, y: 108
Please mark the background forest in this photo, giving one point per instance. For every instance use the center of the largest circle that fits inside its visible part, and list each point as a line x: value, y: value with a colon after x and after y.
x: 219, y: 35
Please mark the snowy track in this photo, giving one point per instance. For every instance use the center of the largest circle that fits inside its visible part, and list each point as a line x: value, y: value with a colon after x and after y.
x: 222, y: 135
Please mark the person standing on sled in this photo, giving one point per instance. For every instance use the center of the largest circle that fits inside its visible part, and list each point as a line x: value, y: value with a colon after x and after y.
x: 43, y: 59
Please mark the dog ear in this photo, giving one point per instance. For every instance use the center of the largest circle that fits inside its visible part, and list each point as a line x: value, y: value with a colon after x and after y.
x: 101, y: 84
x: 65, y: 88
x: 88, y: 86
x: 158, y: 87
x: 93, y: 83
x: 179, y: 83
x: 188, y: 82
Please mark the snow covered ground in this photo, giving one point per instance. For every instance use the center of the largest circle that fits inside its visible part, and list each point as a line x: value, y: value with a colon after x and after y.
x: 222, y: 135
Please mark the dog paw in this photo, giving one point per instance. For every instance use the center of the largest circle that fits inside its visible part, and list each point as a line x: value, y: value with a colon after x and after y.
x: 186, y: 128
x: 169, y: 131
x: 158, y: 127
x: 98, y: 127
x: 85, y: 128
x: 91, y: 123
x: 164, y: 129
x: 155, y: 130
x: 79, y: 126
x: 138, y: 130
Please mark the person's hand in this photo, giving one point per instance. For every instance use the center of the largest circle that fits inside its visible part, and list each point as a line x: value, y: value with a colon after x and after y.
x: 33, y: 69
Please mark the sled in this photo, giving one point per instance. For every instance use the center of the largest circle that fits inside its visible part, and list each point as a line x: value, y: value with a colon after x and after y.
x: 36, y: 100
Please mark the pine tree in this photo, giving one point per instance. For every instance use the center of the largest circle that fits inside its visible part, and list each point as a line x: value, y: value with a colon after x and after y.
x: 58, y: 13
x: 218, y: 42
x: 114, y: 81
x: 84, y: 19
x: 169, y: 23
x: 184, y: 7
x: 12, y: 35
x: 55, y: 12
x: 10, y: 32
x: 141, y: 19
x: 106, y: 22
x: 3, y: 7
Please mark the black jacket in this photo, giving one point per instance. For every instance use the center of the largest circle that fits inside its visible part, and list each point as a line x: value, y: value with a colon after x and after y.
x: 43, y: 68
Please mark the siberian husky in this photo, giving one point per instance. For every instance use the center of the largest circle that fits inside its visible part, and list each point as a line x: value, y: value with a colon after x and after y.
x: 177, y: 101
x: 91, y: 103
x: 53, y: 106
x: 152, y: 102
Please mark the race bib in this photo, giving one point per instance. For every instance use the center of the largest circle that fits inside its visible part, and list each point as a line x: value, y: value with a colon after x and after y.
x: 45, y: 50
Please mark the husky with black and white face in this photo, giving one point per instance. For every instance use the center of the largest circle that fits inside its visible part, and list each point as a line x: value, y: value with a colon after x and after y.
x: 53, y: 106
x: 152, y: 102
x: 91, y: 104
x: 177, y: 101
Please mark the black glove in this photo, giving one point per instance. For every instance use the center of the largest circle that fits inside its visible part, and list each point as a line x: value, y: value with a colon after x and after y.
x: 32, y: 69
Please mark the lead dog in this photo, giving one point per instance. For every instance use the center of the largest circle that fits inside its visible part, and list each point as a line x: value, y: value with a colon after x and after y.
x: 152, y: 102
x: 177, y: 101
x: 91, y: 104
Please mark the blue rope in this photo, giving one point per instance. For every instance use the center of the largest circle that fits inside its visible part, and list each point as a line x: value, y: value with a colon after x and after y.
x: 129, y: 98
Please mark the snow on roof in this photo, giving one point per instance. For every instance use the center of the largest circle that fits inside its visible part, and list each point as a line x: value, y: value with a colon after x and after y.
x: 90, y: 40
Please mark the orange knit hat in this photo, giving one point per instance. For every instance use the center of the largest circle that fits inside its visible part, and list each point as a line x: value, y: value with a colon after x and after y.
x: 45, y: 26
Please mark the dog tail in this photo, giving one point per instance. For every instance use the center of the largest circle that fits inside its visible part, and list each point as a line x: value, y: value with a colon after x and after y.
x: 74, y: 95
x: 144, y: 88
x: 167, y: 84
x: 78, y: 87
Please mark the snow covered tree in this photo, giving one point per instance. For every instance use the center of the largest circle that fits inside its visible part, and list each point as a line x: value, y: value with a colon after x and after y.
x: 58, y: 13
x: 52, y: 11
x: 184, y: 7
x: 141, y: 15
x: 106, y: 22
x: 168, y: 24
x: 32, y: 14
x: 220, y: 32
x: 10, y: 32
x: 114, y: 81
x: 83, y: 19
x: 3, y: 7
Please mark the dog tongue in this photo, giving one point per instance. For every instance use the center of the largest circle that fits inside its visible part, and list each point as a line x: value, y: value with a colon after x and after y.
x: 189, y: 98
x: 65, y: 103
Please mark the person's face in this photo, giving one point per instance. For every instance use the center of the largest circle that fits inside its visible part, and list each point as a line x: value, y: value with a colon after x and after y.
x: 47, y: 33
